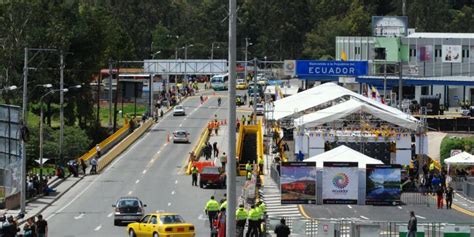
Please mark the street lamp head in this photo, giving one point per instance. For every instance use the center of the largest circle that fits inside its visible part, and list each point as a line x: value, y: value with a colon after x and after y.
x: 10, y: 88
x: 65, y: 90
x: 47, y: 85
x: 191, y: 45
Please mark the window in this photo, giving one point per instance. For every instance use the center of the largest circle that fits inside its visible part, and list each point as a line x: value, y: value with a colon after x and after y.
x: 145, y: 219
x: 463, y: 54
x: 357, y: 50
x: 380, y: 53
x: 153, y: 220
x: 412, y: 52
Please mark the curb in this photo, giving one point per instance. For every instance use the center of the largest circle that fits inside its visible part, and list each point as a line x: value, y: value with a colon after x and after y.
x: 197, y: 148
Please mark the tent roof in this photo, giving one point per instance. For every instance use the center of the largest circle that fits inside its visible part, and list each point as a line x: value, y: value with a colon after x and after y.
x: 462, y: 158
x: 348, y: 107
x: 321, y: 94
x: 343, y: 154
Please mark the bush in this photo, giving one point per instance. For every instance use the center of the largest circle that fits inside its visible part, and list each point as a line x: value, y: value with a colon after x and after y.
x: 450, y: 143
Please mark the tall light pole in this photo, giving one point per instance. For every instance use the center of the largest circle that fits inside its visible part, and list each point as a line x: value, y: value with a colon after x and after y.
x: 247, y: 44
x: 212, y: 49
x: 186, y: 62
x: 61, y: 106
x: 231, y: 167
x: 154, y: 54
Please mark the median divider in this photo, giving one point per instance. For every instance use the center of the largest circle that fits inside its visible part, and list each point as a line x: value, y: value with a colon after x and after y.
x: 196, y: 152
x: 123, y: 145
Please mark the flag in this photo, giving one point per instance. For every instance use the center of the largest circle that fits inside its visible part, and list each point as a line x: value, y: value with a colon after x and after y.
x: 343, y: 56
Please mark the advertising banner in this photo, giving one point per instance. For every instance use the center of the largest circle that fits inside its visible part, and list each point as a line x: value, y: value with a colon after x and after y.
x: 389, y: 26
x: 314, y: 68
x: 340, y: 183
x: 451, y: 53
x: 383, y: 184
x: 298, y: 182
x: 425, y: 53
x: 289, y: 67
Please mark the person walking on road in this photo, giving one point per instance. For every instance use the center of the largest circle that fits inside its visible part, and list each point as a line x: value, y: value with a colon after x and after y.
x: 241, y: 216
x: 243, y: 119
x: 282, y: 230
x: 42, y: 226
x: 412, y: 225
x: 83, y: 166
x: 223, y: 160
x: 209, y: 151
x: 94, y: 166
x: 215, y: 149
x: 212, y: 208
x: 449, y: 197
x: 248, y: 167
x: 97, y: 150
x: 216, y: 128
x: 194, y: 174
x: 439, y: 196
x: 254, y: 217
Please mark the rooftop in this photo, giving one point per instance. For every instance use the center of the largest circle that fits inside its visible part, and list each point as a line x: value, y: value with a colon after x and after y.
x: 435, y: 35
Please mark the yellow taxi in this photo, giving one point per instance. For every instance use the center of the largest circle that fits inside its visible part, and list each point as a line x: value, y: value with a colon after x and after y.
x: 241, y: 84
x: 161, y: 225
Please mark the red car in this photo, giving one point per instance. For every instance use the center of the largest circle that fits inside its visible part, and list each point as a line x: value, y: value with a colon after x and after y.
x: 211, y: 176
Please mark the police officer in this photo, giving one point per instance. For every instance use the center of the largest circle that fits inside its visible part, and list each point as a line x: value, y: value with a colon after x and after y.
x: 248, y: 167
x: 223, y: 202
x: 254, y: 217
x: 212, y: 208
x: 260, y: 165
x: 194, y: 174
x: 263, y: 211
x: 241, y: 216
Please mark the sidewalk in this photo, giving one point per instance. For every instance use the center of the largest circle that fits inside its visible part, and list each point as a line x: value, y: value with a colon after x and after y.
x: 222, y: 143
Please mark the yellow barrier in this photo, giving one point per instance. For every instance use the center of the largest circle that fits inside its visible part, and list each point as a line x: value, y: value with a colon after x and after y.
x: 123, y: 145
x: 92, y: 152
x: 197, y: 149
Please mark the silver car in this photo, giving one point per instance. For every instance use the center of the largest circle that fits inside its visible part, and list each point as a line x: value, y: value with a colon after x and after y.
x: 128, y: 209
x: 179, y: 111
x: 181, y: 136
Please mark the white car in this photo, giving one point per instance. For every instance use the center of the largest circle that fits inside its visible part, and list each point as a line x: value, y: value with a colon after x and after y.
x: 181, y: 136
x: 260, y: 109
x: 179, y: 111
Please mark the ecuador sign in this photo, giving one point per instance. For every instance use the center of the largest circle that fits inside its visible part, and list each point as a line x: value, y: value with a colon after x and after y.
x: 310, y: 68
x: 340, y: 183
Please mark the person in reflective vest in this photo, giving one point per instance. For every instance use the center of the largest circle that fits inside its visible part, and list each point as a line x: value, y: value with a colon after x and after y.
x: 254, y: 220
x: 260, y: 165
x: 263, y: 210
x: 248, y: 167
x: 212, y: 208
x: 249, y: 175
x: 194, y: 174
x: 241, y: 216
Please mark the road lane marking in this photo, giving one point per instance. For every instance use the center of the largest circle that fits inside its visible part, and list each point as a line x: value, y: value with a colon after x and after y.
x: 138, y: 181
x: 349, y: 206
x: 169, y: 203
x: 400, y: 207
x: 110, y: 214
x: 180, y: 125
x: 363, y: 217
x: 172, y: 193
x: 79, y: 217
x: 130, y: 193
x: 202, y: 217
x: 144, y: 172
x: 98, y: 228
x: 421, y: 217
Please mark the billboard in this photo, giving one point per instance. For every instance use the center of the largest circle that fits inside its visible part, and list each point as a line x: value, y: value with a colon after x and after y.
x: 425, y: 53
x: 298, y: 182
x: 315, y: 68
x: 389, y: 26
x: 340, y: 182
x: 289, y: 67
x: 10, y: 149
x: 451, y: 53
x: 383, y: 184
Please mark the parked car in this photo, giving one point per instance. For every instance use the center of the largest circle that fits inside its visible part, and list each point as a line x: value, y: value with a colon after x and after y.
x: 241, y: 84
x: 181, y: 136
x: 161, y: 224
x: 178, y: 110
x: 211, y: 176
x: 128, y: 209
x: 260, y: 110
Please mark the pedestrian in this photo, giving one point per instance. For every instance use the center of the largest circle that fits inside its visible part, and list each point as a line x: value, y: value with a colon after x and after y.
x: 282, y: 230
x: 210, y: 126
x: 412, y: 225
x: 29, y: 229
x: 260, y: 165
x: 42, y: 226
x: 248, y: 167
x: 93, y: 166
x: 243, y: 119
x: 254, y: 217
x: 249, y: 119
x: 439, y: 196
x: 449, y: 197
x: 97, y: 150
x: 194, y: 174
x: 216, y: 127
x: 263, y: 212
x: 214, y: 148
x: 241, y: 216
x: 223, y: 160
x: 83, y: 166
x: 209, y: 150
x: 212, y: 208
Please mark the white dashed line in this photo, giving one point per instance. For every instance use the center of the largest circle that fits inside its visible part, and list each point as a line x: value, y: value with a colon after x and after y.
x: 176, y: 182
x: 110, y: 214
x: 130, y: 193
x: 180, y: 125
x: 363, y: 217
x: 144, y: 172
x: 400, y: 207
x: 138, y: 181
x: 98, y: 228
x: 169, y: 203
x: 79, y: 217
x: 349, y: 206
x: 421, y: 217
x: 172, y: 193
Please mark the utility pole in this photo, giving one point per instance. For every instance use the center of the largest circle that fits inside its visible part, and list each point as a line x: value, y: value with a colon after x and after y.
x: 24, y: 127
x: 246, y: 56
x: 385, y: 81
x: 400, y: 86
x: 110, y: 92
x: 255, y: 88
x: 61, y: 106
x: 231, y: 166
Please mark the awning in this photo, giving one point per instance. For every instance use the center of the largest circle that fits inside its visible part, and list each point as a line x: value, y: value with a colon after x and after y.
x: 343, y: 154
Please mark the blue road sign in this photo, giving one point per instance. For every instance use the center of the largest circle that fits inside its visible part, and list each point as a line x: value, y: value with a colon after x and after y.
x: 312, y: 68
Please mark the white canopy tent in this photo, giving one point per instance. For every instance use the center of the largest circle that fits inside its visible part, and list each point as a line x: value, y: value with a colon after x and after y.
x: 348, y: 107
x: 322, y: 94
x: 342, y: 154
x: 462, y: 158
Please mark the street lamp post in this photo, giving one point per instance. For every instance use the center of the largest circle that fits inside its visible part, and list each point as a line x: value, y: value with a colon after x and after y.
x: 247, y: 44
x: 212, y: 49
x: 186, y: 62
x: 154, y: 54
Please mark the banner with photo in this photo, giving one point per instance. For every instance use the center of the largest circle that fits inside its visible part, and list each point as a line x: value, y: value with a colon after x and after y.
x: 340, y: 182
x: 298, y: 182
x: 451, y: 53
x: 425, y: 53
x: 383, y: 184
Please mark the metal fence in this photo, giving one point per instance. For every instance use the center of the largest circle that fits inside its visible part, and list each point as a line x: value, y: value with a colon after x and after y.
x: 352, y: 228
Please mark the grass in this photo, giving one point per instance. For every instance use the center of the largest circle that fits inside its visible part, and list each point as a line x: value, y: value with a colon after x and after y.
x: 128, y: 110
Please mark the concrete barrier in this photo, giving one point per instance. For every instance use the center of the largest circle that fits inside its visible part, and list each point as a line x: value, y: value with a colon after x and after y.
x: 196, y: 152
x: 123, y: 145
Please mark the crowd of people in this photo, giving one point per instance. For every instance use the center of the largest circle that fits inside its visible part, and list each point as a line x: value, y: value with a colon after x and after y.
x: 34, y: 226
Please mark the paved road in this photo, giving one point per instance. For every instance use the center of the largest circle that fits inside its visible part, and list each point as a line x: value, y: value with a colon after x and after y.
x: 151, y: 169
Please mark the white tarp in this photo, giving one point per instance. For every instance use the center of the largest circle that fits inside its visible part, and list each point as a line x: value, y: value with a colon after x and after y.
x: 463, y: 158
x: 349, y: 107
x: 343, y: 154
x: 322, y: 94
